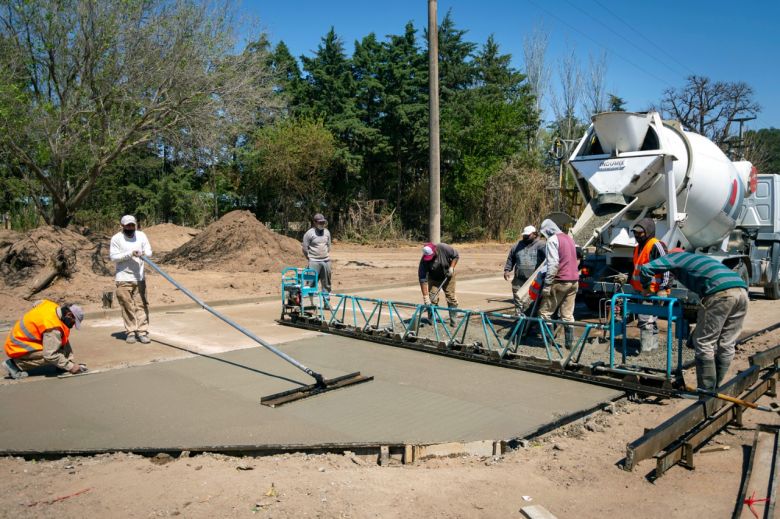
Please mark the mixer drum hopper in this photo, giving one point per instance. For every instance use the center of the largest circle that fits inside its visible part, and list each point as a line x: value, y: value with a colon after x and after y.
x: 623, y: 153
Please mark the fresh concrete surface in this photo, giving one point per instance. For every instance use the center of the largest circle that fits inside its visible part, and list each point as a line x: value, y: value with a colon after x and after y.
x: 199, y: 384
x: 214, y: 401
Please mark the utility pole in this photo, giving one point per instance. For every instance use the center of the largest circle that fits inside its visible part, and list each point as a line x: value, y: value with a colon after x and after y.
x: 740, y: 141
x: 434, y: 208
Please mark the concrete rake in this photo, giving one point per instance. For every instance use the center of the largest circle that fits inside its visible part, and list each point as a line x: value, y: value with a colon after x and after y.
x: 320, y: 385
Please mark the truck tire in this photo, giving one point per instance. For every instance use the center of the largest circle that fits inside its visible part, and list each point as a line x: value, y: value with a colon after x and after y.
x: 772, y: 288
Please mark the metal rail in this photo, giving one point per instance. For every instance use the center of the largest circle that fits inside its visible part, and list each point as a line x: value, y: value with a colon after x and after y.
x: 675, y: 440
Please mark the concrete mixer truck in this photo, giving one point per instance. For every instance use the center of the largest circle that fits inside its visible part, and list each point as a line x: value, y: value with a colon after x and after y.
x: 629, y: 166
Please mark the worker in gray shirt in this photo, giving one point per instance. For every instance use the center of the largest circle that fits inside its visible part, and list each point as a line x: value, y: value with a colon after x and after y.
x: 523, y: 260
x: 437, y: 269
x: 316, y: 248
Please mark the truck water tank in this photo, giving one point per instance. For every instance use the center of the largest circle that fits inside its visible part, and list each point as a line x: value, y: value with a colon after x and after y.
x: 623, y: 153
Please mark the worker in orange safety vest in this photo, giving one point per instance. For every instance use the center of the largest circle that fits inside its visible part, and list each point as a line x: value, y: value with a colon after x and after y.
x: 648, y: 248
x: 41, y: 337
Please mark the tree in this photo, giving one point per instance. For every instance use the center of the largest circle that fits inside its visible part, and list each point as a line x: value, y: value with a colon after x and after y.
x: 616, y: 103
x: 287, y: 163
x: 565, y: 103
x: 708, y: 107
x: 762, y: 148
x: 595, y: 92
x: 84, y: 82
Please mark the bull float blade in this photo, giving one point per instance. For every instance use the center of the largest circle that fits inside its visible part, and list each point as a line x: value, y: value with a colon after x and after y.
x: 285, y: 397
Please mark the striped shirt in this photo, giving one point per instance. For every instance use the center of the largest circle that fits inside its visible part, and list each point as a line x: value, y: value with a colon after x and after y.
x: 700, y: 274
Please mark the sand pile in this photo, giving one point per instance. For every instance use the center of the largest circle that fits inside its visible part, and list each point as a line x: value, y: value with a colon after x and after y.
x: 237, y: 242
x: 167, y: 236
x: 54, y: 263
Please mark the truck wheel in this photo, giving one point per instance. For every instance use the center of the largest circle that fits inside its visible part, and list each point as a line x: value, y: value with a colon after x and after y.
x: 772, y: 288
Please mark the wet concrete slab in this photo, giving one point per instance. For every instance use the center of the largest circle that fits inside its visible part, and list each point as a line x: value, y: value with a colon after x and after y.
x: 213, y: 400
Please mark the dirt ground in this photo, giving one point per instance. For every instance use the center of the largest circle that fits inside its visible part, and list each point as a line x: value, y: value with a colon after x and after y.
x: 573, y: 471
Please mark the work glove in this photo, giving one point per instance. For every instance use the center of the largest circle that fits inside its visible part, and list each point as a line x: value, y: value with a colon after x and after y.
x: 663, y: 293
x: 506, y: 275
x: 77, y: 368
x: 427, y: 300
x: 546, y: 291
x: 451, y: 272
x: 138, y: 253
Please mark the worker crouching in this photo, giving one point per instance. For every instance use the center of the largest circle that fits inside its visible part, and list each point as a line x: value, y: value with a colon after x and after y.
x: 42, y: 337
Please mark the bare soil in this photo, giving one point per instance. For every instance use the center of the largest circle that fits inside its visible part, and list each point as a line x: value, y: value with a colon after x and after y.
x: 169, y: 236
x: 237, y: 242
x: 573, y: 471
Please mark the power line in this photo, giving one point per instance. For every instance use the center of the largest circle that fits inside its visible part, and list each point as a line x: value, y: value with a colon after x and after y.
x: 630, y: 62
x: 650, y: 41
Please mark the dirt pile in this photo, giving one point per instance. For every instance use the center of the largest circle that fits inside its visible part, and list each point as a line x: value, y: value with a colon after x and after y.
x: 165, y: 237
x: 237, y: 242
x: 54, y: 263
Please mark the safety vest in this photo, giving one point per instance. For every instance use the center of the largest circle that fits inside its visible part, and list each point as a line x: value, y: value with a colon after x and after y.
x: 640, y: 258
x: 536, y: 286
x: 27, y: 334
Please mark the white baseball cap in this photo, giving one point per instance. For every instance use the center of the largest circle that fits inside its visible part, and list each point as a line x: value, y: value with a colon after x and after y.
x: 529, y: 229
x: 128, y: 219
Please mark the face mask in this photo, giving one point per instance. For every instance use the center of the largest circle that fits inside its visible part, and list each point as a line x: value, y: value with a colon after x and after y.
x: 69, y: 320
x: 128, y: 232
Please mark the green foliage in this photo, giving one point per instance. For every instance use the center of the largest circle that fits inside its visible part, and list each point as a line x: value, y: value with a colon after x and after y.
x: 763, y: 149
x: 82, y: 83
x: 286, y: 166
x: 616, y: 103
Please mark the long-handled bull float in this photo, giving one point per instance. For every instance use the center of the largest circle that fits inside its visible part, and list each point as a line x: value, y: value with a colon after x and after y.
x: 321, y: 384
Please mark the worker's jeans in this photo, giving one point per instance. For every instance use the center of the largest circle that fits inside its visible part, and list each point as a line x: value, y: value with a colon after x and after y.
x: 135, y: 307
x: 322, y: 268
x: 517, y: 284
x: 35, y: 359
x: 719, y: 324
x: 562, y: 297
x: 449, y: 291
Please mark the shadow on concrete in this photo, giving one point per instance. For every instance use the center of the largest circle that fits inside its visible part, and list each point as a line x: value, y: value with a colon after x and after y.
x: 225, y: 361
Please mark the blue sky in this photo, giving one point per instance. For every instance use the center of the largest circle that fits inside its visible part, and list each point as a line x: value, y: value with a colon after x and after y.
x: 650, y: 45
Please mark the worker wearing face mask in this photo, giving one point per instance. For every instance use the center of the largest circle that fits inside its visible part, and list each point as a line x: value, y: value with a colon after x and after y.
x: 316, y: 248
x: 127, y: 248
x: 41, y: 337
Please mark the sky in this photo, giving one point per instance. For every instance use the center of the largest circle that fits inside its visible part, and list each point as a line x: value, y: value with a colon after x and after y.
x: 650, y: 45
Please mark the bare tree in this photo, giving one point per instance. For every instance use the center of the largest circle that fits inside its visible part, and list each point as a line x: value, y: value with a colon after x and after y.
x: 564, y: 103
x: 83, y: 81
x: 536, y: 69
x: 707, y: 107
x: 595, y: 95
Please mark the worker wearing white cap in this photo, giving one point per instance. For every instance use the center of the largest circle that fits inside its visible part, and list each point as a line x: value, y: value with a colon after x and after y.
x: 523, y: 259
x: 126, y: 250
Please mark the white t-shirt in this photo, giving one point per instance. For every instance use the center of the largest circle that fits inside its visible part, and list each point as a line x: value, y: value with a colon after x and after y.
x: 128, y: 267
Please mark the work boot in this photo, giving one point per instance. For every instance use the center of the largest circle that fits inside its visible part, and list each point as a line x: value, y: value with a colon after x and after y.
x: 13, y: 370
x: 568, y: 337
x: 453, y: 315
x: 721, y: 368
x: 144, y: 338
x: 130, y: 339
x: 706, y: 375
x: 648, y: 341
